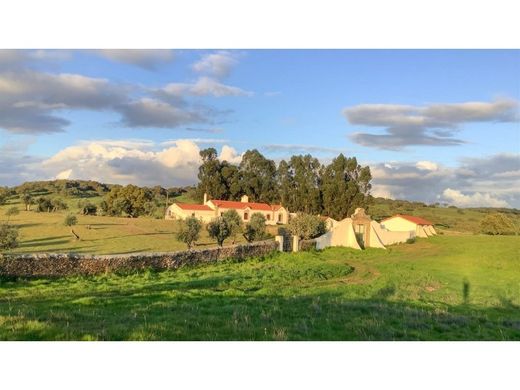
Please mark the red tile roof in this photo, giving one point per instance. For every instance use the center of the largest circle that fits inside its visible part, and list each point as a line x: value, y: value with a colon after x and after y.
x: 198, y: 207
x: 230, y: 204
x: 411, y: 218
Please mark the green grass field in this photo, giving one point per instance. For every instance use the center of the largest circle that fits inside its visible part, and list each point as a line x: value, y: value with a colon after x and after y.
x: 449, y: 287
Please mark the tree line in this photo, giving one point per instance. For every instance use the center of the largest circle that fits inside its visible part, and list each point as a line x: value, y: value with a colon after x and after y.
x: 301, y: 183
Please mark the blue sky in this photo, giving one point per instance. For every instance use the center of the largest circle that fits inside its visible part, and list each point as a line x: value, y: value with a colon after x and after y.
x: 463, y: 105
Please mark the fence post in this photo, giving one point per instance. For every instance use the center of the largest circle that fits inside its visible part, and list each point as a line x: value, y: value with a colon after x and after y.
x: 295, y: 243
x: 279, y: 240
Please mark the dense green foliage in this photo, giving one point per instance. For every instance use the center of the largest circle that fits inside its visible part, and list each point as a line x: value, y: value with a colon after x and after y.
x: 255, y: 229
x: 129, y: 200
x: 219, y: 230
x: 300, y: 184
x: 189, y: 231
x: 307, y: 226
x: 8, y: 237
x: 234, y: 223
x: 497, y: 223
x: 441, y: 288
x: 48, y: 205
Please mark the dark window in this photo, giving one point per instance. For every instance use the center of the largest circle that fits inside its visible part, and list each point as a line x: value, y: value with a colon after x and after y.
x: 192, y: 214
x: 268, y: 217
x: 279, y: 217
x: 246, y: 215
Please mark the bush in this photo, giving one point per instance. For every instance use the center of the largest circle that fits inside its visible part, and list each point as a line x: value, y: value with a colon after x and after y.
x: 8, y: 237
x: 87, y: 208
x: 411, y: 240
x: 255, y: 229
x: 219, y: 230
x: 189, y: 231
x: 307, y: 226
x: 234, y: 223
x: 497, y: 224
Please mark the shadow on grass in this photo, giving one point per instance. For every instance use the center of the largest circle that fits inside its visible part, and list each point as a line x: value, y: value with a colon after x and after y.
x: 212, y: 309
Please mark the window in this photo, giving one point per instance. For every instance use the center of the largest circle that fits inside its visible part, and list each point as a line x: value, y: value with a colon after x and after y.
x: 246, y: 216
x: 279, y: 217
x: 192, y: 214
x: 268, y: 217
x: 221, y: 214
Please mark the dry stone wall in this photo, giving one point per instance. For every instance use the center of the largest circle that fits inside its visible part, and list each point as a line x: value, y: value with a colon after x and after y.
x: 58, y: 265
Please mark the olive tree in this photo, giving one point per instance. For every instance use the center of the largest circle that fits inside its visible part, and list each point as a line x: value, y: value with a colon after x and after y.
x: 234, y: 222
x: 71, y: 220
x: 307, y: 226
x: 219, y: 230
x: 255, y: 229
x: 189, y: 231
x: 8, y: 237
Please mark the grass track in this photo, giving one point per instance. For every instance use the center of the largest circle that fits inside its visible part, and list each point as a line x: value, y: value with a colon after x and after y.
x: 409, y: 292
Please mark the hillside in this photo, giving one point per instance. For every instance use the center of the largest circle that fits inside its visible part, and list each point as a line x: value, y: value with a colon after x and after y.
x: 450, y: 287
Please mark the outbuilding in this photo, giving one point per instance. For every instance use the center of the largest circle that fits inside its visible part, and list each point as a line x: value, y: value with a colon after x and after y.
x: 403, y: 222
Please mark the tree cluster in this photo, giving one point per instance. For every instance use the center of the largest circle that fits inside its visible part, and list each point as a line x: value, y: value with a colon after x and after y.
x: 129, y: 200
x: 497, y: 224
x: 307, y: 226
x: 301, y: 184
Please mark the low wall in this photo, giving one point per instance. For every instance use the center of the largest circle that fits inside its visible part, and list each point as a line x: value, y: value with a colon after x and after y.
x: 57, y: 265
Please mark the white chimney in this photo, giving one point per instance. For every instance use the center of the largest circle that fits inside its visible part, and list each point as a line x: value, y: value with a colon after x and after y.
x: 205, y: 198
x: 244, y: 199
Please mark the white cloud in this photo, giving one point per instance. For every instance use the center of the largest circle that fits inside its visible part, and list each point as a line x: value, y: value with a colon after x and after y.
x: 135, y: 162
x: 230, y: 155
x: 434, y: 124
x: 204, y: 86
x: 476, y: 199
x: 216, y: 64
x: 145, y: 58
x: 427, y: 165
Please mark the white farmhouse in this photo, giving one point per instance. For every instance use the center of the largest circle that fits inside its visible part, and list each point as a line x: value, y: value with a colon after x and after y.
x: 213, y: 208
x: 402, y: 222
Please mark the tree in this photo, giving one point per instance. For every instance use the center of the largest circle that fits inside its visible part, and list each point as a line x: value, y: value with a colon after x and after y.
x: 71, y: 220
x: 255, y: 229
x: 87, y: 208
x: 345, y: 186
x: 10, y: 212
x: 306, y: 172
x: 258, y: 177
x: 219, y: 230
x: 189, y: 230
x: 210, y: 176
x: 58, y: 204
x: 307, y: 226
x: 27, y: 201
x: 129, y: 199
x: 234, y: 223
x: 44, y: 205
x: 497, y: 224
x: 8, y: 237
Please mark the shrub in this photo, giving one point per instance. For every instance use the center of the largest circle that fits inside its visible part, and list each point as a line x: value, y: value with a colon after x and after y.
x: 189, y: 231
x: 8, y: 237
x: 87, y: 208
x: 234, y: 223
x: 497, y: 224
x: 10, y: 212
x: 411, y: 240
x: 255, y: 229
x: 219, y: 230
x: 71, y: 220
x: 307, y: 226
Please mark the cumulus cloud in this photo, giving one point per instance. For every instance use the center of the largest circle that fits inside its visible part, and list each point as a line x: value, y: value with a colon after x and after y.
x: 476, y: 199
x: 204, y: 86
x: 29, y: 100
x: 148, y: 59
x: 230, y: 155
x: 216, y: 64
x: 434, y: 124
x: 149, y: 112
x: 488, y: 181
x: 137, y: 162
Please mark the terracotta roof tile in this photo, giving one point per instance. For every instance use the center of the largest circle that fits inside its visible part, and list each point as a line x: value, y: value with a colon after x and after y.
x: 411, y: 218
x: 230, y: 204
x: 189, y: 206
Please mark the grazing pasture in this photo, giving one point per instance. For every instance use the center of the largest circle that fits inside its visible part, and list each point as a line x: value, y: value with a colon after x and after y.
x: 448, y: 287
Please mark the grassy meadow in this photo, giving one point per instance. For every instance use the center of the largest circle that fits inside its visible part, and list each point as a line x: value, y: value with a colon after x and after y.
x: 448, y: 287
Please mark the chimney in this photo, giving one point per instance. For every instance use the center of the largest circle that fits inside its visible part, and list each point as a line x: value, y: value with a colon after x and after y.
x: 205, y: 198
x: 244, y: 199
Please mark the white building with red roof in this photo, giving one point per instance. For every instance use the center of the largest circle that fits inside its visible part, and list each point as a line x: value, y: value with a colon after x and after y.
x: 403, y: 222
x: 214, y: 208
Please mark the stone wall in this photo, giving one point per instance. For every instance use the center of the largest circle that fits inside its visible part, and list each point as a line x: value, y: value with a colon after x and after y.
x: 57, y: 265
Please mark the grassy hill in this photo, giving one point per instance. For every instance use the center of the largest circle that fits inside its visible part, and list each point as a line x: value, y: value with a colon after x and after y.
x: 450, y: 287
x: 45, y: 232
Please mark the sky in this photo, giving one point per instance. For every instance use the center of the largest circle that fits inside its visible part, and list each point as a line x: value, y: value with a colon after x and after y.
x: 433, y: 125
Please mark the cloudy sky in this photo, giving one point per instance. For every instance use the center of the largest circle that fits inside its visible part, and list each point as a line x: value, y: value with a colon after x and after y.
x: 435, y: 126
